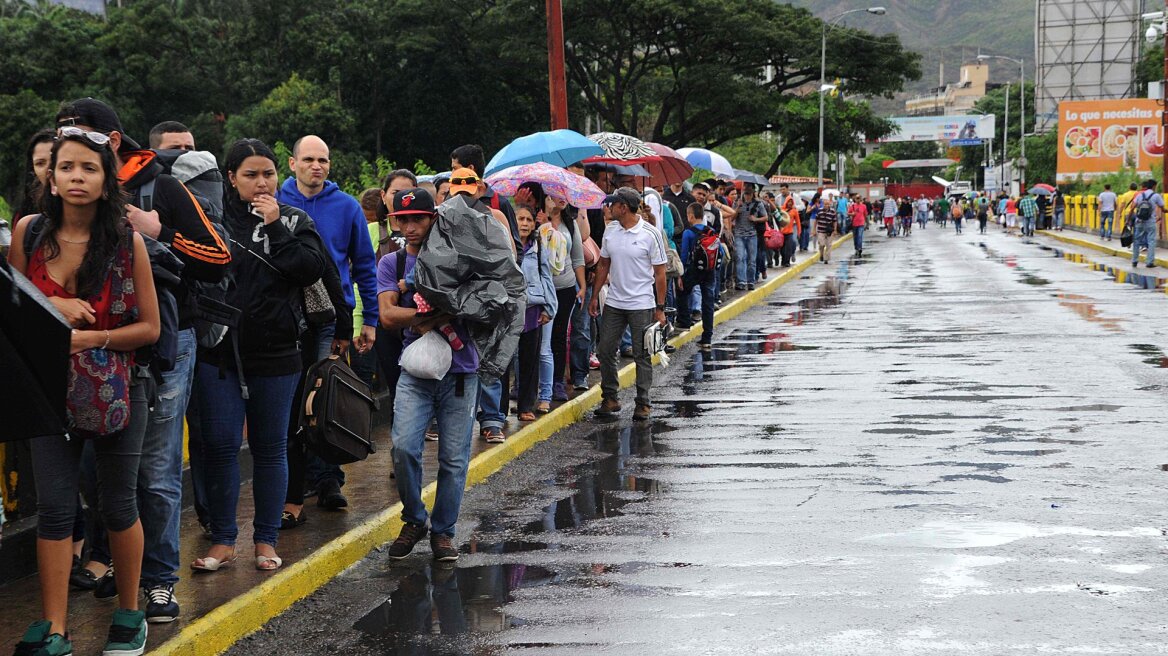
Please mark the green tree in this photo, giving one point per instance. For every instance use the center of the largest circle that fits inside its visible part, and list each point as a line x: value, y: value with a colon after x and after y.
x: 1150, y: 68
x: 994, y: 102
x: 646, y: 67
x: 21, y: 114
x: 295, y: 108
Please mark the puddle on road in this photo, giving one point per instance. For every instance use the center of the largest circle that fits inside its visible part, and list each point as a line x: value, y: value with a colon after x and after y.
x: 1115, y: 274
x: 1155, y: 356
x: 907, y: 431
x: 828, y: 294
x: 1030, y: 452
x: 448, y: 601
x: 437, y: 609
x: 1084, y: 306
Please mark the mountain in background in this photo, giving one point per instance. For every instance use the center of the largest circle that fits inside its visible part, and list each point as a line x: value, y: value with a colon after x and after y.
x: 949, y: 31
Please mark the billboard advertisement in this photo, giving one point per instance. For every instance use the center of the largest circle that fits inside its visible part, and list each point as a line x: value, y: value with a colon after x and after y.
x: 1104, y: 136
x: 965, y: 130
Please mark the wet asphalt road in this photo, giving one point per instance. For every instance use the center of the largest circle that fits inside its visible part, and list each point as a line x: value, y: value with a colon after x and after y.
x: 953, y: 446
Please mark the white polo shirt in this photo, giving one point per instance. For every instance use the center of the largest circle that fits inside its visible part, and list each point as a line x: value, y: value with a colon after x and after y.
x: 633, y: 254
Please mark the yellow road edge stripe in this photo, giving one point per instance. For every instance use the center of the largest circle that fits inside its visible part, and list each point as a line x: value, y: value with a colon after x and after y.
x: 218, y: 630
x: 1102, y: 248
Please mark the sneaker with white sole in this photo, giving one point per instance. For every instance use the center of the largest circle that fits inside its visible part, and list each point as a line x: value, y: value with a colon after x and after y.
x: 127, y: 634
x: 161, y: 606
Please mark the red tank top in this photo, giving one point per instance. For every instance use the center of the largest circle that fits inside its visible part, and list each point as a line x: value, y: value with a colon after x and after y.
x: 38, y: 274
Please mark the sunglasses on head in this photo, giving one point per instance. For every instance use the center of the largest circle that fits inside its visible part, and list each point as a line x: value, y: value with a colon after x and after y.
x: 96, y: 138
x: 464, y: 181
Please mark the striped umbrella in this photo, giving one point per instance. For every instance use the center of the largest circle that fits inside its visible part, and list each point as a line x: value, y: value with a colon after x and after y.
x: 622, y: 149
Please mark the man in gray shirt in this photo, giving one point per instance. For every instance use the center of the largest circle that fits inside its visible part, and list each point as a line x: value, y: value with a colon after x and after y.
x: 1106, y: 211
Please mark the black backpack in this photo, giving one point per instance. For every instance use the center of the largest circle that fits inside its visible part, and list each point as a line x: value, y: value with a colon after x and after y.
x: 199, y: 173
x: 336, y: 413
x: 1144, y: 208
x: 167, y: 271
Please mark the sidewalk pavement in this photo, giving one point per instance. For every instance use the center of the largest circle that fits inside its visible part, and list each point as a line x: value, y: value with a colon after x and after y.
x: 1097, y: 243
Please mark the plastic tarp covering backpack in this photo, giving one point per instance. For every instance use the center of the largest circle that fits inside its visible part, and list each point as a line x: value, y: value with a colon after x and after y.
x: 466, y: 268
x: 336, y: 413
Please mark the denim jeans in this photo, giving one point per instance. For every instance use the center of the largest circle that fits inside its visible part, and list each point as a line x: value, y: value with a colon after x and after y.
x: 1060, y: 217
x: 1106, y: 222
x: 222, y: 411
x: 547, y: 364
x: 1144, y: 235
x: 746, y: 255
x: 1028, y: 225
x: 858, y: 238
x: 160, y: 470
x: 493, y: 402
x: 804, y: 235
x: 418, y: 401
x: 612, y: 326
x: 581, y: 349
x: 684, y: 311
x: 762, y: 261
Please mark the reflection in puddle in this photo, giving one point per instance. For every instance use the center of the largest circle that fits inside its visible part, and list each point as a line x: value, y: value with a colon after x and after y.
x: 1082, y: 306
x: 437, y: 609
x: 963, y: 535
x: 1115, y: 274
x: 448, y: 601
x: 1155, y: 356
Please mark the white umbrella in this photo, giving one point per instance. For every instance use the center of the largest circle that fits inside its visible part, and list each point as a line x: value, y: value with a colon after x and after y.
x: 707, y: 159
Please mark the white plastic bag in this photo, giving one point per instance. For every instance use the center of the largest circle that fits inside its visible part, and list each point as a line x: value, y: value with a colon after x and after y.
x: 427, y: 357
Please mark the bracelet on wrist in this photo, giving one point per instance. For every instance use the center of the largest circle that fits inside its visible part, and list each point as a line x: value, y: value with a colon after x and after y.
x: 107, y: 340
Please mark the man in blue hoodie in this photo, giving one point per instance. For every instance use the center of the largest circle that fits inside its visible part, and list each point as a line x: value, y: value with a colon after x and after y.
x: 341, y: 225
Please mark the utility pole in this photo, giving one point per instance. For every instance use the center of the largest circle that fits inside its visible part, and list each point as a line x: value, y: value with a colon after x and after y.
x: 557, y: 82
x: 1163, y: 99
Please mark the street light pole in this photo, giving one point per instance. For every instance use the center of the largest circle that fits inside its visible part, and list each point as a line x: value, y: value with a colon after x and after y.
x: 1022, y: 163
x: 877, y: 11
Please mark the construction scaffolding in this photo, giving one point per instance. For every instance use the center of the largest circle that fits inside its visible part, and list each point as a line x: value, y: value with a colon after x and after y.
x: 1084, y: 50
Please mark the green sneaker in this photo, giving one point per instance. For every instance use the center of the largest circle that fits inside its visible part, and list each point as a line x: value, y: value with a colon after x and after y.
x: 37, y: 641
x: 127, y: 634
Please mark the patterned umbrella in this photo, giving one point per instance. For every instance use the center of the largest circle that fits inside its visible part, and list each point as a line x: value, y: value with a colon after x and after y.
x: 622, y: 148
x: 671, y: 169
x: 558, y: 183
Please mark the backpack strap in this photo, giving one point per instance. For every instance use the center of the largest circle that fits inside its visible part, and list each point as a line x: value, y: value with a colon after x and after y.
x: 145, y: 195
x: 33, y: 235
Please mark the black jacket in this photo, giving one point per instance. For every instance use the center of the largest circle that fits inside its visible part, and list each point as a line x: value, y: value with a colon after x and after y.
x: 270, y: 267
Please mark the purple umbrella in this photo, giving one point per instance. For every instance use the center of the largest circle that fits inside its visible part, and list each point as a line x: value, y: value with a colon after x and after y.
x: 558, y: 183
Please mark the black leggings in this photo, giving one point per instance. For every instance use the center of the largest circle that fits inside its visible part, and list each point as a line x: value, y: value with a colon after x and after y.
x: 527, y: 372
x: 57, y: 464
x: 566, y: 299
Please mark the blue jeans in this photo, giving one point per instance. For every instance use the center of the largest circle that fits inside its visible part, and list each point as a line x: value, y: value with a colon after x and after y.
x: 547, y: 363
x: 746, y: 254
x: 160, y: 469
x: 418, y: 401
x: 222, y: 411
x: 1106, y: 222
x: 1027, y: 225
x: 858, y: 238
x: 1059, y: 219
x: 804, y: 235
x: 581, y: 342
x: 763, y: 260
x: 1144, y: 235
x: 492, y: 403
x: 684, y: 310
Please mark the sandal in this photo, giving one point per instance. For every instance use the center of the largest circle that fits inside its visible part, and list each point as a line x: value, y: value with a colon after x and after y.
x: 526, y: 416
x: 211, y: 564
x: 543, y: 408
x: 268, y: 563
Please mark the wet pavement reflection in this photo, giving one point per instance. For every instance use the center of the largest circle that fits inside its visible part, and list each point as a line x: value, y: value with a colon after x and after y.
x: 942, y: 448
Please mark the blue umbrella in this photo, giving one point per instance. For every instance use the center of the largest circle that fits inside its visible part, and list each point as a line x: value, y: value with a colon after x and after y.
x: 558, y: 147
x: 708, y: 160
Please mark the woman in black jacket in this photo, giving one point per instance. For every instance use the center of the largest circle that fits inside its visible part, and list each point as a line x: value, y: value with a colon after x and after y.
x: 252, y: 374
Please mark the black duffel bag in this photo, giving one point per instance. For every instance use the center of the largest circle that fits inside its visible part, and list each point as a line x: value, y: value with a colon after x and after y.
x: 336, y: 413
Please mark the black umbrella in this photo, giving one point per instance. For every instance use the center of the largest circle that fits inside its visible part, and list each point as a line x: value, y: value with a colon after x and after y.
x: 34, y: 356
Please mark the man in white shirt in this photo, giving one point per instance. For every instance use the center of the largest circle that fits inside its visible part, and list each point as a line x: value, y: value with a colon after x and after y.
x: 1107, y: 201
x: 632, y: 263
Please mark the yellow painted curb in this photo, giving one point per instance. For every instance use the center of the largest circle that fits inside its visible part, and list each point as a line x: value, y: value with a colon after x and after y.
x: 218, y: 630
x: 1110, y: 250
